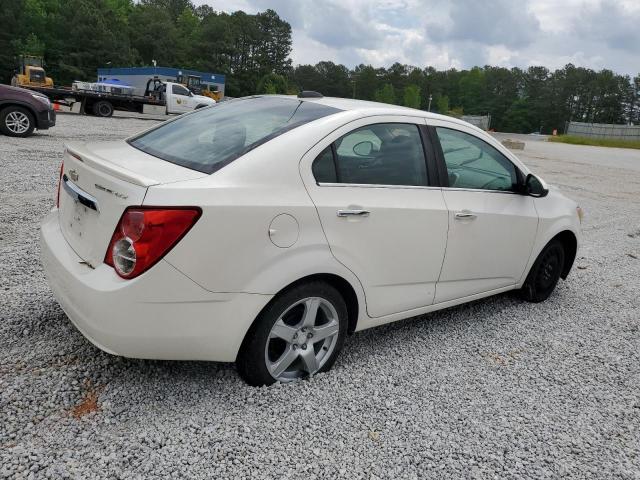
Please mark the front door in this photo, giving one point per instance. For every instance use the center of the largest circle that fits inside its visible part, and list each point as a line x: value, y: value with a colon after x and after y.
x: 492, y: 227
x: 181, y: 99
x: 381, y: 217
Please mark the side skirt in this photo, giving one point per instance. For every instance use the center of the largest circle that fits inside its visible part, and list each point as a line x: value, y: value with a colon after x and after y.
x: 368, y: 322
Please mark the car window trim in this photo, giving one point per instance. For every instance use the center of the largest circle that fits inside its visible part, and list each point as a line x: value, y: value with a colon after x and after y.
x: 443, y: 177
x: 428, y: 153
x: 442, y: 165
x: 334, y: 156
x: 376, y: 185
x: 434, y: 175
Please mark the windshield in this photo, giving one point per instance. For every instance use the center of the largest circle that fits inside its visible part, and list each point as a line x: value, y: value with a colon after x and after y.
x: 209, y: 139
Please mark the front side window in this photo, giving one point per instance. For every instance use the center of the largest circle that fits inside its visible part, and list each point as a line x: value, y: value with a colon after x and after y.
x: 379, y: 154
x: 473, y: 163
x: 211, y: 138
x: 179, y: 90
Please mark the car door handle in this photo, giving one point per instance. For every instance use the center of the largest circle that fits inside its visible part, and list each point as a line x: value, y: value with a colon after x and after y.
x: 353, y: 213
x: 465, y: 215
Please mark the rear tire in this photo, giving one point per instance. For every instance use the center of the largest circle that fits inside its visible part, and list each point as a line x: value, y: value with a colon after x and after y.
x: 544, y: 274
x: 16, y: 122
x: 102, y: 109
x: 300, y: 333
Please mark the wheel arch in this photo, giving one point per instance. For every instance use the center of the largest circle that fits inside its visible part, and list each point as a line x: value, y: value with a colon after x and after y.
x: 570, y: 244
x: 338, y: 282
x: 26, y: 106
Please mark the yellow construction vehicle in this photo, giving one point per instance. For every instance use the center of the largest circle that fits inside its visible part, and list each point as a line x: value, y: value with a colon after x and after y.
x: 215, y: 94
x: 30, y: 73
x: 197, y: 87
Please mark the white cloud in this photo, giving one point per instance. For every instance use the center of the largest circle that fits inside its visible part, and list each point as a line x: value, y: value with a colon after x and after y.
x: 460, y: 33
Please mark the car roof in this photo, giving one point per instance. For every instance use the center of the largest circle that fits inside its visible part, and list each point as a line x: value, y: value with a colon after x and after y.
x: 367, y: 107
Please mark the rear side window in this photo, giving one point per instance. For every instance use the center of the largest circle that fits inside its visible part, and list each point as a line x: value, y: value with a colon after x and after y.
x: 380, y: 154
x: 211, y: 138
x: 324, y: 167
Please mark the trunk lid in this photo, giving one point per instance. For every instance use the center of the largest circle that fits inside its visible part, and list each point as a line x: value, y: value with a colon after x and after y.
x: 100, y: 180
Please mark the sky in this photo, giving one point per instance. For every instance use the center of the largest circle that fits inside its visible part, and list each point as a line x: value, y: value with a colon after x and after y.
x: 459, y: 33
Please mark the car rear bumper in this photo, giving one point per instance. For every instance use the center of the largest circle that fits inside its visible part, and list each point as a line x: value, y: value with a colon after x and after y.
x: 46, y: 119
x: 160, y: 315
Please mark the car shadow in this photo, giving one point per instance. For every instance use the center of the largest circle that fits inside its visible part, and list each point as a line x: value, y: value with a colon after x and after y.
x: 358, y: 346
x: 176, y: 384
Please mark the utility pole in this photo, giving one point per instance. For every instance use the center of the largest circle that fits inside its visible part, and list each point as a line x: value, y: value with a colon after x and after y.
x: 430, y: 98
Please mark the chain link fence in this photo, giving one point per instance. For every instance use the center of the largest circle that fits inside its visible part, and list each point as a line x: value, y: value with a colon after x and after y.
x: 603, y: 130
x: 481, y: 121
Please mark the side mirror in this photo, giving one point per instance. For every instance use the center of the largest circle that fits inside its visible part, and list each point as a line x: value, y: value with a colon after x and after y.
x: 534, y: 187
x: 363, y: 149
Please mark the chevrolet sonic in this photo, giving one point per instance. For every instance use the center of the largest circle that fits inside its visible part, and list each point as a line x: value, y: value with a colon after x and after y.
x: 262, y: 230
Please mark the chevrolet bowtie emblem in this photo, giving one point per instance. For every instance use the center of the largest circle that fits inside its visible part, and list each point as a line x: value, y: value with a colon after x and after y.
x: 73, y: 175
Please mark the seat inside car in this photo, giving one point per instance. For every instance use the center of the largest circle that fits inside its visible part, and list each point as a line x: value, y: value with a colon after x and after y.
x: 402, y: 162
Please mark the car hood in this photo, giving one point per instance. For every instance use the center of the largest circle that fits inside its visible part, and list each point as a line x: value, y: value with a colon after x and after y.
x: 204, y: 99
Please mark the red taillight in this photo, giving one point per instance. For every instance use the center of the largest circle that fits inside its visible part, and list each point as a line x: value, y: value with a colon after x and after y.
x: 59, y: 182
x: 146, y: 234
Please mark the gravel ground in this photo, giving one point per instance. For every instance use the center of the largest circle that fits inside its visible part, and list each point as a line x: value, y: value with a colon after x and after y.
x: 493, y: 389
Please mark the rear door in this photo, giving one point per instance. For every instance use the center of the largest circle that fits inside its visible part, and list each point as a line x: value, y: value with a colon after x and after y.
x: 492, y: 226
x: 382, y: 215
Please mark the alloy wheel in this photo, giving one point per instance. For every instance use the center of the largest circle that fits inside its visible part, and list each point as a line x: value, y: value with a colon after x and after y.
x: 17, y: 122
x: 302, y: 339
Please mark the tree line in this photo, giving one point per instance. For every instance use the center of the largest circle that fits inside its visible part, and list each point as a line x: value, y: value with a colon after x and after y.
x: 76, y: 37
x: 533, y: 99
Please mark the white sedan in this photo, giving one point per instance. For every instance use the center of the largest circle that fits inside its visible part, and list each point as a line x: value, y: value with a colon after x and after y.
x: 264, y: 229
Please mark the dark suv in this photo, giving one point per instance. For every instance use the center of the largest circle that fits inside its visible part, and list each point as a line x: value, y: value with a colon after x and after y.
x: 22, y: 110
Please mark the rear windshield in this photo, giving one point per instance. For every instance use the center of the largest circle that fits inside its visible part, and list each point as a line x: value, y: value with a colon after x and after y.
x: 209, y: 139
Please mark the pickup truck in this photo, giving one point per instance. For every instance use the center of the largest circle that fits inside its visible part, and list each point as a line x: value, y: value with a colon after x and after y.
x: 159, y: 98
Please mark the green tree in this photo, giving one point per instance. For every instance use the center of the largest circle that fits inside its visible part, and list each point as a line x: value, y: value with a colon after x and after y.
x: 412, y: 96
x: 145, y: 22
x: 366, y: 82
x: 386, y: 94
x: 10, y: 23
x: 442, y: 104
x: 517, y: 118
x: 253, y: 51
x: 272, y: 83
x: 473, y: 91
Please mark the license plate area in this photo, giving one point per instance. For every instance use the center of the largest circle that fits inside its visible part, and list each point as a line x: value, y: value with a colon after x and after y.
x: 77, y: 218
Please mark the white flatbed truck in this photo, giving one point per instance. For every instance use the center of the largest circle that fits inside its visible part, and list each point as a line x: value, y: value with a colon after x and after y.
x: 159, y: 98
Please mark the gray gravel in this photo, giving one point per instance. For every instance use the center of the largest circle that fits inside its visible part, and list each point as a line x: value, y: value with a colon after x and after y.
x: 494, y: 389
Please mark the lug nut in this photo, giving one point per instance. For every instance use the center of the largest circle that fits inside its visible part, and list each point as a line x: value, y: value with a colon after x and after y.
x: 295, y: 347
x: 309, y: 335
x: 295, y: 335
x: 304, y: 346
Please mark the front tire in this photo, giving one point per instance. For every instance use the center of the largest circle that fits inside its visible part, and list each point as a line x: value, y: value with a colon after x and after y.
x: 299, y: 334
x: 16, y: 122
x: 544, y: 274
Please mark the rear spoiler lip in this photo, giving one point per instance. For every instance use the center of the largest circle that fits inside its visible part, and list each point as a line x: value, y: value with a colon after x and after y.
x: 80, y: 152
